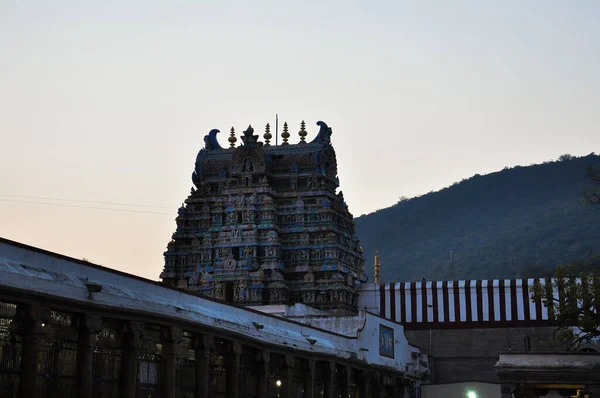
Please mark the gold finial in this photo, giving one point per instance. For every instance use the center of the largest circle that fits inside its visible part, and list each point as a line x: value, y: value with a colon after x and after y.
x: 267, y: 134
x: 377, y: 267
x: 302, y: 133
x: 232, y: 138
x: 285, y: 135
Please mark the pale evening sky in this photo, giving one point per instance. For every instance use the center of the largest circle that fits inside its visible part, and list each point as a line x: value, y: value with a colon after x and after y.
x: 110, y: 101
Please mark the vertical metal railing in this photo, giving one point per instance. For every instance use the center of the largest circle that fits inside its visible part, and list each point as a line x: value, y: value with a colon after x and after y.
x: 57, y: 358
x: 10, y: 351
x: 185, y: 375
x: 247, y: 374
x: 218, y: 376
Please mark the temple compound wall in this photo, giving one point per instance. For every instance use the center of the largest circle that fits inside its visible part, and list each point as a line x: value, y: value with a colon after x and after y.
x: 463, y: 325
x: 69, y: 328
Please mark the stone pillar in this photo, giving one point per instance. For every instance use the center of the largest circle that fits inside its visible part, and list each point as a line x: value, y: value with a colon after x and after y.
x: 263, y: 360
x: 31, y: 319
x: 89, y: 326
x: 171, y: 337
x: 329, y: 379
x: 234, y: 350
x: 131, y: 335
x: 309, y: 379
x: 285, y: 375
x: 203, y: 346
x: 363, y: 385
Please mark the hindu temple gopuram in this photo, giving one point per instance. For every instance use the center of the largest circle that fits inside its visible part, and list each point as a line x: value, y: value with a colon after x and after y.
x: 264, y: 225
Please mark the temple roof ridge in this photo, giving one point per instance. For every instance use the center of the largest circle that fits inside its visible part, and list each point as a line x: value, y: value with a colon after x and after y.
x: 323, y: 137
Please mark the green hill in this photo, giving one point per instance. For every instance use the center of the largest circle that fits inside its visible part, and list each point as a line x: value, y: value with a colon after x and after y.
x: 518, y: 222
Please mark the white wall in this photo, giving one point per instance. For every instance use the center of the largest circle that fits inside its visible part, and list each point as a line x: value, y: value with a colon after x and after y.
x: 365, y: 327
x: 369, y: 339
x: 368, y: 298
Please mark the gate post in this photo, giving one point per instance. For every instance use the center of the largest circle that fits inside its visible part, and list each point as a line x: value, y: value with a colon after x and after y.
x: 203, y: 345
x: 171, y: 337
x: 234, y: 350
x: 89, y: 325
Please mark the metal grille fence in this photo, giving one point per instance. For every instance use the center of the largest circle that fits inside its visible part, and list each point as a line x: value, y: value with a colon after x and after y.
x: 412, y: 392
x: 272, y: 387
x: 184, y: 377
x: 57, y: 368
x: 149, y: 373
x: 10, y: 352
x: 57, y: 358
x: 297, y: 387
x: 247, y: 374
x: 107, y: 372
x: 352, y: 390
x: 218, y: 376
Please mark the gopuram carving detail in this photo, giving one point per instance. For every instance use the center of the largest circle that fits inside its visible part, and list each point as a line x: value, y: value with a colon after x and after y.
x: 264, y: 224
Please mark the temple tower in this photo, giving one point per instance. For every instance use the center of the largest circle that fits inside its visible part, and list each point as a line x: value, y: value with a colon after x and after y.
x: 264, y: 225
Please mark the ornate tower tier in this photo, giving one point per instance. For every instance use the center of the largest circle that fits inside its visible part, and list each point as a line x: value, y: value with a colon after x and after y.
x: 265, y: 226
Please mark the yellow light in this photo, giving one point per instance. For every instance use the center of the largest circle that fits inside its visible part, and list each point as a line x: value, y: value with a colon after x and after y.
x: 278, y: 384
x: 471, y: 394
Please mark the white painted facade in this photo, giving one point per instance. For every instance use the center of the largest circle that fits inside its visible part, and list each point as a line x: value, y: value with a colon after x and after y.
x: 365, y: 328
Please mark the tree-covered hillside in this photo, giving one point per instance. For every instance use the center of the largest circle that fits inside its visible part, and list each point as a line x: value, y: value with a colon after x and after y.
x: 518, y: 222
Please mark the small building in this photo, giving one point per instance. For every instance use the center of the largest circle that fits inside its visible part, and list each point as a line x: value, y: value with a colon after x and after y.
x: 558, y: 374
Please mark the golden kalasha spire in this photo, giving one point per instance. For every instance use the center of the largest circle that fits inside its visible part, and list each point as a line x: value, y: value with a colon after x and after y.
x: 232, y: 138
x: 377, y: 266
x: 285, y: 135
x: 302, y: 133
x: 267, y: 134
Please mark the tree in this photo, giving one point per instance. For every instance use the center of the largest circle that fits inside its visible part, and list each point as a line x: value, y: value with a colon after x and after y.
x: 572, y: 298
x: 592, y: 195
